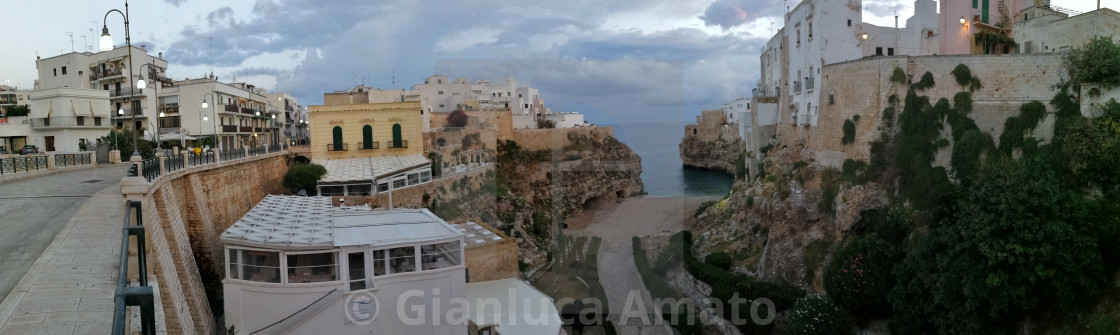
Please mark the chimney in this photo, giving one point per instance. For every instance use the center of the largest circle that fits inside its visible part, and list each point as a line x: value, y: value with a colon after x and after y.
x: 161, y: 55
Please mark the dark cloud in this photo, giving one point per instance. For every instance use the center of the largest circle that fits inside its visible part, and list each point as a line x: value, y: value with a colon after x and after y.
x: 731, y: 13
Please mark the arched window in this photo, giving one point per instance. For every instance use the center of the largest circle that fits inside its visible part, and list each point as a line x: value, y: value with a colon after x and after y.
x: 397, y: 143
x: 367, y: 137
x: 337, y: 138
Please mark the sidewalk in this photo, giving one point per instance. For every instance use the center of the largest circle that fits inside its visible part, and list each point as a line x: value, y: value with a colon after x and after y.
x: 69, y: 289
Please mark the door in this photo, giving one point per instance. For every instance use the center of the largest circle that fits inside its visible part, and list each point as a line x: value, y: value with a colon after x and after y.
x: 397, y: 136
x: 50, y: 142
x: 357, y: 273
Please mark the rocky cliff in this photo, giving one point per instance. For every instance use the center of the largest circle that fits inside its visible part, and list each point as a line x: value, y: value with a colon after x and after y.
x: 719, y: 155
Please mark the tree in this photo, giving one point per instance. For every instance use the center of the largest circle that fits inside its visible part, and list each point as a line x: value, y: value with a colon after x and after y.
x: 1018, y: 243
x: 17, y: 110
x: 1097, y: 62
x: 122, y: 140
x: 815, y: 314
x: 545, y: 124
x: 860, y: 277
x: 303, y: 176
x: 457, y: 118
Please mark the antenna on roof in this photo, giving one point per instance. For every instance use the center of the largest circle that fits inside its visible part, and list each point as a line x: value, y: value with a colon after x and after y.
x: 71, y: 34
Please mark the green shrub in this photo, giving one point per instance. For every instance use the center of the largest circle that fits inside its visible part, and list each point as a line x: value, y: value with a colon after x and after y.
x: 854, y: 172
x: 962, y: 101
x: 925, y: 83
x: 861, y: 277
x: 849, y: 132
x: 962, y: 74
x: 855, y: 118
x: 703, y: 207
x: 303, y: 176
x: 898, y: 76
x: 891, y: 225
x: 815, y: 314
x: 719, y: 259
x: 1015, y: 128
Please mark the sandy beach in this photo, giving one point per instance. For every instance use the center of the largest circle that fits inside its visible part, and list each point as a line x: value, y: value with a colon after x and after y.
x: 617, y: 223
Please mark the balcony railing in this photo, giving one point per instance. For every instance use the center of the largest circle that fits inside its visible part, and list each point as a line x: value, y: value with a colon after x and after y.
x: 231, y: 108
x: 797, y: 86
x: 70, y: 121
x: 170, y: 109
x: 128, y: 113
x: 95, y: 76
x: 337, y: 147
x: 246, y: 110
x: 258, y: 129
x: 229, y: 129
x: 392, y: 144
x: 125, y: 92
x: 366, y: 145
x: 245, y: 129
x: 809, y: 83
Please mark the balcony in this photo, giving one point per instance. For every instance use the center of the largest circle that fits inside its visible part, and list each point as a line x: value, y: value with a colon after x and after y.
x: 245, y: 129
x: 797, y: 86
x: 258, y: 129
x: 364, y: 145
x: 231, y: 108
x: 128, y: 114
x: 125, y: 92
x: 169, y: 109
x: 337, y: 147
x: 246, y: 110
x: 229, y: 129
x: 70, y: 122
x: 390, y: 145
x: 95, y: 76
x: 809, y: 83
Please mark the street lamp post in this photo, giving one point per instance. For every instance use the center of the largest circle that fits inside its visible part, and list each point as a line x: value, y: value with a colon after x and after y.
x: 217, y: 139
x: 107, y: 44
x: 144, y: 84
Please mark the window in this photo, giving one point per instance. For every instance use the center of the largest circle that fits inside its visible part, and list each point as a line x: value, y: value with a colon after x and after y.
x: 382, y: 187
x: 397, y: 143
x: 55, y: 72
x: 890, y: 51
x: 425, y: 176
x: 1027, y: 47
x: 379, y: 268
x: 367, y: 137
x: 849, y: 22
x: 440, y: 105
x: 312, y: 268
x: 361, y: 189
x: 64, y: 70
x: 810, y: 31
x: 831, y: 99
x: 254, y: 265
x: 440, y: 255
x: 440, y: 92
x: 399, y: 183
x: 878, y: 51
x: 413, y: 179
x: 337, y: 134
x: 357, y: 271
x: 402, y: 260
x: 332, y: 190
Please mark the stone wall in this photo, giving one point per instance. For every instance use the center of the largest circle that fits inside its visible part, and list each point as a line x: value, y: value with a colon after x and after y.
x: 863, y: 87
x: 539, y: 139
x: 499, y: 120
x: 184, y: 213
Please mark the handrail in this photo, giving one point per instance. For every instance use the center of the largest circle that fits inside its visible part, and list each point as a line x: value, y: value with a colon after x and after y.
x: 142, y: 295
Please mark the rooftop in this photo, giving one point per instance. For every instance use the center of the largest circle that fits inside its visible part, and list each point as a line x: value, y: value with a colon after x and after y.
x: 368, y: 168
x: 477, y: 235
x: 312, y: 222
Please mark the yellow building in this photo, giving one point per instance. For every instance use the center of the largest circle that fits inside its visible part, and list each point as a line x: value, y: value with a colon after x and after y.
x: 366, y: 130
x: 367, y: 144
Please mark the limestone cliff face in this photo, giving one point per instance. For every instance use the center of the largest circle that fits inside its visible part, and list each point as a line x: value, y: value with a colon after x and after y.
x: 536, y: 190
x: 777, y: 227
x: 719, y: 154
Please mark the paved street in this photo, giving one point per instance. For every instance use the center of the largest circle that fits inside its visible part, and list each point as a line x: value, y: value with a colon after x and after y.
x: 33, y: 211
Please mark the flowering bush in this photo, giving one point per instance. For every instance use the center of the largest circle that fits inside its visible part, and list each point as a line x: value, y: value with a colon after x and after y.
x: 860, y: 277
x: 815, y: 314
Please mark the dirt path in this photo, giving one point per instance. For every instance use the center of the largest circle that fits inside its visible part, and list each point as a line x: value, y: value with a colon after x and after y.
x: 617, y: 224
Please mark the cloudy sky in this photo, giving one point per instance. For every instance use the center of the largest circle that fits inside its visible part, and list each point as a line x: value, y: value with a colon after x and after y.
x: 617, y: 61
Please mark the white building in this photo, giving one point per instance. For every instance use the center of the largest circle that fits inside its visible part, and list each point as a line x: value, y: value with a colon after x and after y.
x: 245, y: 116
x: 14, y: 130
x: 735, y: 110
x: 525, y: 103
x: 357, y: 176
x: 920, y: 36
x: 297, y: 265
x: 818, y: 33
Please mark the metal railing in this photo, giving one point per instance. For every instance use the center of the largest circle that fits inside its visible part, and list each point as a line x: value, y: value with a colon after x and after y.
x: 230, y: 108
x: 70, y: 121
x: 368, y: 145
x: 392, y: 144
x: 125, y: 91
x: 150, y: 168
x: 25, y: 163
x: 274, y: 148
x: 231, y: 154
x: 200, y: 159
x: 73, y: 159
x: 229, y: 129
x: 337, y: 147
x: 104, y: 74
x: 173, y: 163
x: 128, y: 113
x: 256, y: 151
x: 142, y: 296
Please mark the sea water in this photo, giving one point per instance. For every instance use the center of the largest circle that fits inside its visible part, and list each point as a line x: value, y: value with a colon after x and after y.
x: 662, y: 171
